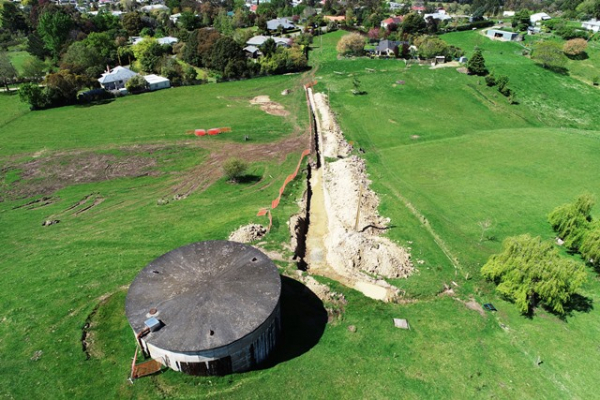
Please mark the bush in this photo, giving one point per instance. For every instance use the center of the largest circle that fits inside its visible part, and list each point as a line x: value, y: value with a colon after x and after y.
x: 531, y: 272
x: 234, y: 169
x: 490, y: 80
x: 352, y: 44
x: 136, y: 84
x: 575, y: 48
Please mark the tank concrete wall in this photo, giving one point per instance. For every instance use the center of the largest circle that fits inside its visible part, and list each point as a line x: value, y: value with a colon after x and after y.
x: 238, y: 356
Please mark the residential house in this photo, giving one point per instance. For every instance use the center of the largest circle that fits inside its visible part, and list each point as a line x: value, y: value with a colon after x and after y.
x: 539, y: 17
x: 170, y: 40
x: 116, y: 78
x: 591, y: 25
x: 334, y: 18
x: 285, y: 23
x: 252, y: 52
x: 389, y: 21
x: 154, y: 8
x: 438, y: 15
x: 508, y: 14
x: 260, y: 40
x: 387, y: 47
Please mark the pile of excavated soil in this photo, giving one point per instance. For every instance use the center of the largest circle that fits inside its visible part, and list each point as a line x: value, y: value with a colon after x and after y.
x: 270, y: 107
x: 248, y: 233
x: 333, y: 143
x: 351, y: 247
x: 357, y: 246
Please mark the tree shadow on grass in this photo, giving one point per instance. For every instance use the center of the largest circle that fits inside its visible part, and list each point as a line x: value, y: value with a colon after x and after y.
x: 249, y: 179
x: 579, y: 304
x: 303, y: 321
x: 95, y: 103
x: 557, y: 70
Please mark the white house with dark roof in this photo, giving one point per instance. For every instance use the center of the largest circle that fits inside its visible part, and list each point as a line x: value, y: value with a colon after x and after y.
x: 116, y: 78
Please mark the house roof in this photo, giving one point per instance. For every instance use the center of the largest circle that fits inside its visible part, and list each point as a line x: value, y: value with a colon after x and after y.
x: 116, y: 74
x: 440, y: 16
x: 260, y: 40
x: 591, y: 22
x: 385, y: 45
x: 155, y: 79
x: 251, y: 49
x: 334, y: 17
x: 273, y: 24
x: 167, y: 40
x: 392, y: 20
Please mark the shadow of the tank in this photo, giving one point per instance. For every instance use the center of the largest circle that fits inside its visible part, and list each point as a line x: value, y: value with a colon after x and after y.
x: 303, y: 321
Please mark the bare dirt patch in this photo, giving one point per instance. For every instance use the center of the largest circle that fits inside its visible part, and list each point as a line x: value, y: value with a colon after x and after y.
x: 270, y: 107
x: 202, y: 176
x: 451, y: 64
x: 46, y: 175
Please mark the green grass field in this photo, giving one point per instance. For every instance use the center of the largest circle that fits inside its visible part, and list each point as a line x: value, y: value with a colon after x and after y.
x: 444, y: 152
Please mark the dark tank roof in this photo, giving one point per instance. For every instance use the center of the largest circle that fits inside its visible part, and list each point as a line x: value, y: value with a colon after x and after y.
x: 206, y: 294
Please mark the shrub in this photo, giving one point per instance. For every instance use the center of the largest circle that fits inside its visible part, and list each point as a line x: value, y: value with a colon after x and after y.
x: 575, y: 47
x: 136, y: 84
x: 490, y: 80
x: 234, y: 169
x: 352, y: 44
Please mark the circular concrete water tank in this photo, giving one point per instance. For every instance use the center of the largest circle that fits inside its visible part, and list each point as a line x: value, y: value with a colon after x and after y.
x: 208, y: 308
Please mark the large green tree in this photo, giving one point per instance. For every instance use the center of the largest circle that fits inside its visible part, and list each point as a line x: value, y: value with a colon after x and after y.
x: 7, y: 71
x: 225, y: 51
x: 476, y: 64
x: 413, y: 23
x: 13, y: 18
x: 549, y: 54
x: 54, y: 27
x: 531, y: 272
x: 590, y: 246
x: 82, y: 59
x: 571, y: 221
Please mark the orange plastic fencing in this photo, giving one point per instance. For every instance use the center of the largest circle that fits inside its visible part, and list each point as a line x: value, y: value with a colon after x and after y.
x: 289, y: 178
x: 211, y: 131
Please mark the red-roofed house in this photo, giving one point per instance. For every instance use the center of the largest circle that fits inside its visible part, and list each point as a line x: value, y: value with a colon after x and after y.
x: 419, y: 9
x: 393, y: 20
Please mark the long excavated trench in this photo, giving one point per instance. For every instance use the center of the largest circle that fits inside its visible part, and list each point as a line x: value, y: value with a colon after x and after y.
x: 337, y: 230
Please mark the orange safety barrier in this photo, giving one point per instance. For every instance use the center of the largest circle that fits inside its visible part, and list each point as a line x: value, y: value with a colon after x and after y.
x: 214, y: 131
x: 200, y: 132
x: 289, y: 178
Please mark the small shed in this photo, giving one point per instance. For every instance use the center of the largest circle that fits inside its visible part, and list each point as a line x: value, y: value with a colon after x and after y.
x: 156, y: 82
x: 497, y: 34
